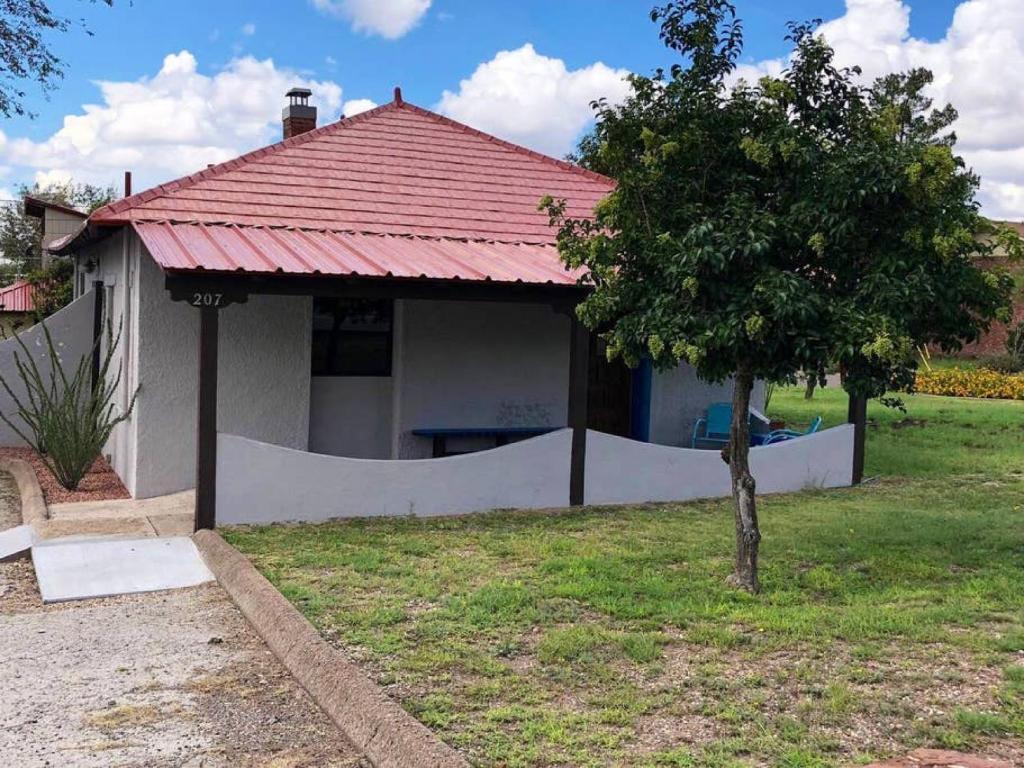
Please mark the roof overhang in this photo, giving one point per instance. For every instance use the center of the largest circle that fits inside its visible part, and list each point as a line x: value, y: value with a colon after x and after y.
x: 36, y: 208
x: 283, y: 251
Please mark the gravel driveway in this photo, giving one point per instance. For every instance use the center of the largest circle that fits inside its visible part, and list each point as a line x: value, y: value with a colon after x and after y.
x: 167, y: 679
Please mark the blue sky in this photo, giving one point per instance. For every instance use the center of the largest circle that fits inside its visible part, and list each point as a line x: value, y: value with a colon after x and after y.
x: 129, y: 41
x: 238, y: 52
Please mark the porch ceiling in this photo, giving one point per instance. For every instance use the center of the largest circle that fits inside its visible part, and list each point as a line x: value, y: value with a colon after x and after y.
x: 228, y: 248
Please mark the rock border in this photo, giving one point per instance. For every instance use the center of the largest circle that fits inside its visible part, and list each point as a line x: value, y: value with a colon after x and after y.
x: 33, y: 506
x: 377, y: 725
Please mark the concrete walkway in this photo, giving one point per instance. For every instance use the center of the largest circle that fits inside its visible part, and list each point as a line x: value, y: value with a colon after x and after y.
x: 170, y: 515
x: 172, y: 679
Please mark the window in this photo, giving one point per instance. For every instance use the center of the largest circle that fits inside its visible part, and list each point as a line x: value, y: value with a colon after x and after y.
x: 352, y: 337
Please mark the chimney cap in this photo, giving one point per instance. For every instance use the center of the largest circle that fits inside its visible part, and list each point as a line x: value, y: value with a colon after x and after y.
x: 299, y: 95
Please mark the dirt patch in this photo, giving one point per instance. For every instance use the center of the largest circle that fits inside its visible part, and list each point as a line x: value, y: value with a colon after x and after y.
x: 100, y: 484
x: 10, y: 502
x: 169, y: 679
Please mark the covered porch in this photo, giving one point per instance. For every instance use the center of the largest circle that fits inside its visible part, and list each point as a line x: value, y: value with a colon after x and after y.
x: 211, y: 294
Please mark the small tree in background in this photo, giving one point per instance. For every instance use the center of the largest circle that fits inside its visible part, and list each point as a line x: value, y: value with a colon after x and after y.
x: 761, y: 230
x: 64, y: 417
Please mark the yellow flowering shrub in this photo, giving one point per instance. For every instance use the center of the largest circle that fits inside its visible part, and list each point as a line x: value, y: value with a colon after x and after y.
x: 981, y: 382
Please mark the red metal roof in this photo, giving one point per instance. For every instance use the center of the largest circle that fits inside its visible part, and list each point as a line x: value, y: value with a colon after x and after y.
x: 229, y: 248
x: 396, y: 191
x: 17, y: 297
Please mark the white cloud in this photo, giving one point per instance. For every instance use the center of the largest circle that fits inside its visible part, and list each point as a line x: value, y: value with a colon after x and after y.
x: 388, y: 18
x: 533, y: 99
x: 167, y: 125
x: 249, y: 29
x: 355, y: 106
x: 978, y: 67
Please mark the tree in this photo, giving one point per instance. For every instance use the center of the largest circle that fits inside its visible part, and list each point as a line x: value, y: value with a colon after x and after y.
x: 24, y: 51
x: 755, y: 228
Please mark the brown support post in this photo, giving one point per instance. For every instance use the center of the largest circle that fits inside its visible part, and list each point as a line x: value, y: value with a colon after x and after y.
x: 97, y: 330
x: 858, y: 416
x: 579, y: 359
x: 206, y: 430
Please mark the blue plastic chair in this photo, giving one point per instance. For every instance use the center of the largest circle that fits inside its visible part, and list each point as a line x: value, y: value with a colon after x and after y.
x: 782, y: 435
x: 713, y: 428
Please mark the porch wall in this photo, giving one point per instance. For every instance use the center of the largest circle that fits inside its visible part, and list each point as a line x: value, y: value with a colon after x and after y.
x: 477, y: 364
x: 263, y: 371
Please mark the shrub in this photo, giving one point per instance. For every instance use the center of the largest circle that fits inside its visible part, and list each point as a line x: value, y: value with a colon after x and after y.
x: 1003, y: 363
x: 1015, y: 342
x: 980, y: 382
x: 64, y: 417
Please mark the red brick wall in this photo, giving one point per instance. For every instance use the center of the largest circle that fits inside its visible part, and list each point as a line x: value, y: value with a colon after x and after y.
x: 994, y: 342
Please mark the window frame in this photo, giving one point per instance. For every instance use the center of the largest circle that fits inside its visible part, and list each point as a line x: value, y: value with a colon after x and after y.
x: 337, y: 333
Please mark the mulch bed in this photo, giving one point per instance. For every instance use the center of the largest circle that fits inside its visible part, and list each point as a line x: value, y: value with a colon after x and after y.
x: 100, y: 484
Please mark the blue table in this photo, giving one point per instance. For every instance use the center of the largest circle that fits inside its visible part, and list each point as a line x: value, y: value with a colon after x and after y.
x: 501, y: 435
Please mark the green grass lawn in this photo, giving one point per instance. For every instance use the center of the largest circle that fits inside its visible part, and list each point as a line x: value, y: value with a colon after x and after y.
x: 891, y: 618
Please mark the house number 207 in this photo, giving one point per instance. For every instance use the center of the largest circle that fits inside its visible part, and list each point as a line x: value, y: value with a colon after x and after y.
x: 206, y: 299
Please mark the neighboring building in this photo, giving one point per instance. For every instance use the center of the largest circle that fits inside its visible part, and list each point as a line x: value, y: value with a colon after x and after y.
x: 994, y: 342
x: 56, y: 221
x: 17, y: 308
x: 371, y: 283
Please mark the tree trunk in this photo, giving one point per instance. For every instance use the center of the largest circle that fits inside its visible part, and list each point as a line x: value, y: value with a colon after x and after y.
x: 812, y: 383
x: 748, y: 536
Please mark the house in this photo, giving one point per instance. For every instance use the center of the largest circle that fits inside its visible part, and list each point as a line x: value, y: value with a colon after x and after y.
x: 17, y: 307
x: 56, y: 221
x: 380, y: 288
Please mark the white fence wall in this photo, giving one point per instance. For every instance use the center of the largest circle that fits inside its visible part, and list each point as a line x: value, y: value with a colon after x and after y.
x: 71, y: 331
x: 262, y: 483
x: 621, y: 471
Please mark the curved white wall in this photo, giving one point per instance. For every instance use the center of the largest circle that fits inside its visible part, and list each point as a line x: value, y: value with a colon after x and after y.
x: 262, y: 483
x: 71, y: 331
x: 622, y: 471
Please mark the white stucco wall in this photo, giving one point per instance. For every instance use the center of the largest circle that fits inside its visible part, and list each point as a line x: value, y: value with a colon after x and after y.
x: 680, y: 397
x: 478, y: 364
x: 260, y: 483
x: 621, y: 471
x: 263, y: 378
x: 71, y: 331
x: 351, y: 416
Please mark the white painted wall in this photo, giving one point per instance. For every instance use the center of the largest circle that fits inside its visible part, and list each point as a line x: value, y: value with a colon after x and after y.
x: 478, y: 364
x: 260, y: 483
x: 71, y: 331
x: 621, y: 471
x: 680, y: 397
x: 263, y: 378
x: 351, y: 416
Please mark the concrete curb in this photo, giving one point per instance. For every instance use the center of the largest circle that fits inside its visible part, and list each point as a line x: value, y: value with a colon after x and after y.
x: 33, y: 506
x: 375, y: 724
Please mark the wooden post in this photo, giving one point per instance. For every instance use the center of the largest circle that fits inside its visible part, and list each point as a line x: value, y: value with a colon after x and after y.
x: 97, y: 330
x: 579, y: 360
x: 857, y: 414
x: 206, y: 430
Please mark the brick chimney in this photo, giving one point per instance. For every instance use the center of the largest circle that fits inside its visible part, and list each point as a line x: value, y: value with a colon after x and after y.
x: 298, y: 117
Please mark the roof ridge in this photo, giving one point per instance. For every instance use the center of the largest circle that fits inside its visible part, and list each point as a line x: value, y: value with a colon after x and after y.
x: 505, y: 143
x: 110, y: 210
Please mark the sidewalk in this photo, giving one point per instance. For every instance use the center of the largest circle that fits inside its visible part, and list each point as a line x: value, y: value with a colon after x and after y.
x: 175, y: 678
